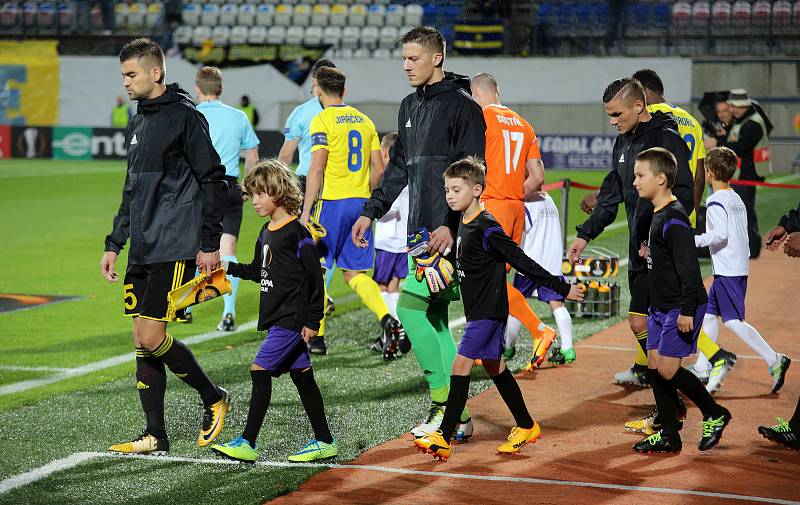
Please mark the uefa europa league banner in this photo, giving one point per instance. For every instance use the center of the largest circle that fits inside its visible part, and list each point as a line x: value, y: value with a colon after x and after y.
x: 29, y: 83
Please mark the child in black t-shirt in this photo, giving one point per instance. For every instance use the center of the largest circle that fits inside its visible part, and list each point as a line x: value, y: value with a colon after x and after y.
x: 286, y: 265
x: 482, y: 251
x: 677, y: 306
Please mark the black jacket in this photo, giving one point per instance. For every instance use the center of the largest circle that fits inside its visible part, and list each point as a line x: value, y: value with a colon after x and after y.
x: 170, y: 206
x: 791, y: 220
x: 749, y: 137
x: 437, y: 125
x: 617, y: 187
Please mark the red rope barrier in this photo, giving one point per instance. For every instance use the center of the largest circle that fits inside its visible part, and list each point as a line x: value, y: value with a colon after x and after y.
x: 578, y: 185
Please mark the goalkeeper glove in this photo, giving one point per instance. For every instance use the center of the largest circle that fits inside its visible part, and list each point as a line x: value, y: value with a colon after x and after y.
x: 437, y: 271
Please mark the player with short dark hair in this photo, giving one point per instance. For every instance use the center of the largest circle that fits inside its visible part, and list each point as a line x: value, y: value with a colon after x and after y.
x: 482, y: 251
x: 232, y: 135
x: 677, y: 305
x: 439, y: 123
x: 286, y: 265
x: 346, y: 165
x: 171, y: 213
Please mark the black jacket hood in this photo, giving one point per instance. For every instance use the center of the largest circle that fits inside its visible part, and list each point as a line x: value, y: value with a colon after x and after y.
x: 450, y: 82
x: 173, y: 94
x: 659, y: 121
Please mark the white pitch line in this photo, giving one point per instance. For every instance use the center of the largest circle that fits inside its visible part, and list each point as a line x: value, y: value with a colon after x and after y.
x: 19, y: 368
x: 96, y: 366
x: 81, y: 457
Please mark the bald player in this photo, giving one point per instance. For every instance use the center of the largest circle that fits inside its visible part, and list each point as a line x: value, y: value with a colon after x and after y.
x: 514, y: 171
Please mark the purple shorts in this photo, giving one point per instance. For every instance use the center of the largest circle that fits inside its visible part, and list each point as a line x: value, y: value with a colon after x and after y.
x: 663, y: 334
x: 389, y: 265
x: 726, y: 297
x: 483, y: 339
x: 526, y: 286
x: 283, y: 350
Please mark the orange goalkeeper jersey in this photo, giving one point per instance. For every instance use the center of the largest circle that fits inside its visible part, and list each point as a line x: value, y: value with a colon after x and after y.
x: 510, y: 143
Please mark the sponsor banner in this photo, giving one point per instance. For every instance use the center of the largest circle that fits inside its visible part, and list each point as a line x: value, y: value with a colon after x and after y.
x: 11, y: 302
x: 30, y: 82
x: 577, y: 151
x: 31, y: 142
x: 71, y: 143
x: 108, y: 144
x: 5, y: 141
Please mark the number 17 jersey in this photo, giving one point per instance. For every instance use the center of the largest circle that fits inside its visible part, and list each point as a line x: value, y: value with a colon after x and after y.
x: 510, y: 143
x: 349, y: 136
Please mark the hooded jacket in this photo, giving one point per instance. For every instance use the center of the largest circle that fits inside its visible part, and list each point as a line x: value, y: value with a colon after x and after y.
x: 437, y: 125
x: 791, y: 220
x: 170, y: 206
x: 617, y: 187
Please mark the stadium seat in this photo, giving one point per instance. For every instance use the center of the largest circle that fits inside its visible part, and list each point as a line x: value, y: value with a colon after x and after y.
x: 413, y: 15
x: 382, y: 54
x: 276, y: 35
x: 332, y: 36
x: 320, y: 15
x: 228, y: 14
x: 294, y: 35
x: 375, y: 15
x: 369, y: 37
x: 183, y: 35
x: 210, y: 15
x: 721, y: 14
x: 681, y: 14
x: 357, y: 15
x: 362, y: 53
x: 238, y: 35
x: 762, y: 13
x: 248, y: 14
x: 351, y: 36
x: 338, y: 15
x: 290, y: 2
x: 9, y: 14
x: 65, y: 13
x: 265, y: 15
x: 191, y: 14
x: 302, y: 15
x: 200, y: 35
x: 397, y: 53
x: 796, y: 12
x: 96, y: 18
x: 153, y: 16
x: 740, y: 14
x: 283, y: 15
x: 381, y: 2
x: 388, y: 38
x: 29, y: 10
x: 782, y: 13
x: 46, y: 15
x: 344, y: 53
x: 221, y: 35
x: 137, y: 16
x: 237, y: 2
x: 313, y: 36
x: 257, y: 35
x: 394, y: 15
x: 120, y: 15
x: 701, y: 13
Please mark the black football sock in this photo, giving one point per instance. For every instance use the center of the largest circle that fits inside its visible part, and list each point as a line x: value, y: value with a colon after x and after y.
x: 691, y: 386
x: 312, y: 401
x: 667, y: 408
x: 509, y: 390
x: 259, y: 403
x: 183, y: 364
x: 151, y: 382
x: 456, y: 400
x: 794, y: 422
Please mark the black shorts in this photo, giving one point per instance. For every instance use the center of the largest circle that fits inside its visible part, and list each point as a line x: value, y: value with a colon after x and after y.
x: 232, y: 208
x: 147, y: 286
x: 640, y: 292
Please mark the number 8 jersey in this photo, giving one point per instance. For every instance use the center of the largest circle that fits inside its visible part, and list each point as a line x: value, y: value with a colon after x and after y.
x: 510, y: 143
x: 349, y: 136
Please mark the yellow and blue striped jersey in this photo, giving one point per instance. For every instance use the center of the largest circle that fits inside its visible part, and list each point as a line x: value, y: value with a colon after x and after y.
x: 349, y: 136
x: 688, y: 128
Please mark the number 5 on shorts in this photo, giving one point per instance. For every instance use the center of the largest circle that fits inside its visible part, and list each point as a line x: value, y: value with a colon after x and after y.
x: 130, y: 298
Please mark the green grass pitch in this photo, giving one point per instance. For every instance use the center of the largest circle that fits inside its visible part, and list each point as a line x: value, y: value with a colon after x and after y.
x: 56, y: 215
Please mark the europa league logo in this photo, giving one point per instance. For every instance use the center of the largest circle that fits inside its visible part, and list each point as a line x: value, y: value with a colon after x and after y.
x: 32, y: 143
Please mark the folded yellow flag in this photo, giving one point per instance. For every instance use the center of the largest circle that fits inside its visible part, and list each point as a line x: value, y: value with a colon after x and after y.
x: 198, y: 290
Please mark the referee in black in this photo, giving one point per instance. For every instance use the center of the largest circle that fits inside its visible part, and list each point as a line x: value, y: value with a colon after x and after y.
x: 169, y: 213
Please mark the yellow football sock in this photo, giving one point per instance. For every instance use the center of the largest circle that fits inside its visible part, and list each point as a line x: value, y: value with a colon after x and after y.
x: 370, y: 294
x: 641, y: 357
x: 707, y: 346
